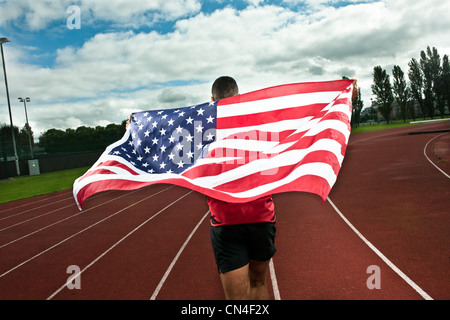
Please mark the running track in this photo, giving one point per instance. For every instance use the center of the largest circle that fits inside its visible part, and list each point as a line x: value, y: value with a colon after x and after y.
x: 389, y: 208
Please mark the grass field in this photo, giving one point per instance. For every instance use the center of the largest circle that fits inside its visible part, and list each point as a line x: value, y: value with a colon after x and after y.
x: 29, y: 186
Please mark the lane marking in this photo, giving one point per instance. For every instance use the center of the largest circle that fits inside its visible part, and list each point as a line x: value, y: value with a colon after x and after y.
x: 169, y: 269
x: 273, y: 278
x: 62, y: 220
x: 425, y: 153
x: 62, y: 193
x: 74, y: 235
x: 118, y: 242
x: 382, y: 256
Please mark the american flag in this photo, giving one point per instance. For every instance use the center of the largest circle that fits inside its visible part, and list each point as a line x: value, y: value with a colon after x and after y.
x: 286, y: 138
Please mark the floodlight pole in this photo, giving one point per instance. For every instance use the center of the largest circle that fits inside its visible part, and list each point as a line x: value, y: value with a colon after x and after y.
x: 3, y: 40
x: 25, y: 100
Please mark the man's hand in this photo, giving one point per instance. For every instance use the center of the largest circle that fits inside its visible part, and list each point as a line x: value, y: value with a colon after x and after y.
x: 355, y: 90
x: 128, y: 123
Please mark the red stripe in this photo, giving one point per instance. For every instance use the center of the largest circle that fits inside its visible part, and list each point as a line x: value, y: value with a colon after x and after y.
x: 269, y: 116
x: 258, y: 179
x: 288, y: 89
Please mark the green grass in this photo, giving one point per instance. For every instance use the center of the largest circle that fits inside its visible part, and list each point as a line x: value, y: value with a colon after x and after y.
x: 29, y: 186
x: 381, y: 126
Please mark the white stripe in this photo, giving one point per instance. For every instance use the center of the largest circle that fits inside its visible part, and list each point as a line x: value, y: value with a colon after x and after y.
x: 169, y: 269
x: 273, y: 278
x: 75, y: 234
x: 382, y: 256
x: 287, y: 158
x: 118, y: 242
x: 276, y: 103
x: 424, y: 152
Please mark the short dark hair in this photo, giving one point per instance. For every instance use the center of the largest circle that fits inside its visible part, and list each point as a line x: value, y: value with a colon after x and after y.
x: 224, y: 87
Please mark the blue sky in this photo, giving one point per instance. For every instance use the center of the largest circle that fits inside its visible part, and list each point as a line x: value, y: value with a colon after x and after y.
x: 137, y: 55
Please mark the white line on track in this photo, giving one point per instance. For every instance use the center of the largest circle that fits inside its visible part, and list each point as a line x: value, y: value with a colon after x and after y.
x: 79, y: 232
x: 425, y: 153
x: 382, y: 256
x: 118, y: 242
x: 34, y: 202
x: 67, y: 218
x: 169, y: 269
x: 273, y: 278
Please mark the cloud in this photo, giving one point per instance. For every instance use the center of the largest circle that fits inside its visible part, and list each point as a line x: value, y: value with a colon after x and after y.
x: 116, y: 72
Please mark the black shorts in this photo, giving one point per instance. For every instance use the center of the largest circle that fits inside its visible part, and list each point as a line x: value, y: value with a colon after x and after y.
x: 235, y: 245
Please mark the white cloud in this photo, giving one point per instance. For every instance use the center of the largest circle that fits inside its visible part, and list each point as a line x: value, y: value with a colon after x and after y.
x: 120, y: 72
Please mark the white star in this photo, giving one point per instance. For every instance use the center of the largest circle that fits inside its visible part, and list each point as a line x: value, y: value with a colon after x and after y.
x: 171, y: 156
x: 199, y: 146
x: 199, y: 128
x: 210, y: 119
x: 180, y: 164
x: 162, y: 165
x: 146, y: 133
x: 155, y: 157
x: 210, y: 137
x: 163, y: 149
x: 179, y: 129
x: 190, y: 154
x: 171, y: 122
x: 200, y: 111
x: 147, y: 149
x: 189, y: 120
x: 155, y: 141
x: 189, y: 138
x: 163, y: 131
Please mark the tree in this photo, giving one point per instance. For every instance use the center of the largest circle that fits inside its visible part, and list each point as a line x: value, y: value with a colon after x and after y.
x: 358, y: 105
x: 382, y: 90
x: 416, y: 84
x: 444, y: 86
x: 430, y: 64
x: 401, y: 91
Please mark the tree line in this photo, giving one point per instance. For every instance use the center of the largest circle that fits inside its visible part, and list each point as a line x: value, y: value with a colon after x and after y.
x: 429, y: 87
x: 81, y: 139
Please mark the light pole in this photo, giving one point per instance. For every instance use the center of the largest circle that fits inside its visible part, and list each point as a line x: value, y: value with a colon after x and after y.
x: 28, y: 125
x: 2, y: 41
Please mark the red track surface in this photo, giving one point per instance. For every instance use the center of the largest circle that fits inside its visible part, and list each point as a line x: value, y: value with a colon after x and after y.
x: 134, y: 245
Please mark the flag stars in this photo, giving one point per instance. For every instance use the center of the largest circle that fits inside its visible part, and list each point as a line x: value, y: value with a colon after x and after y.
x: 199, y: 128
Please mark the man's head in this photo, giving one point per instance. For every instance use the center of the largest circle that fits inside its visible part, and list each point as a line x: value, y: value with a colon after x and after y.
x: 224, y: 87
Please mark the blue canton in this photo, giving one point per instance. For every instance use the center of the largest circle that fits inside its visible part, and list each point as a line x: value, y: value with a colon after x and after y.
x: 169, y: 141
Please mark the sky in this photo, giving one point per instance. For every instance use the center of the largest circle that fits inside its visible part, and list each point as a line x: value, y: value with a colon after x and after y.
x: 94, y: 62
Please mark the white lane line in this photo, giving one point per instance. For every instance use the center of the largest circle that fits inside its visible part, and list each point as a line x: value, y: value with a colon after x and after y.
x: 74, y: 235
x: 63, y: 193
x: 169, y: 269
x: 273, y: 278
x: 425, y: 153
x: 67, y: 218
x: 382, y: 256
x: 35, y: 208
x: 118, y: 242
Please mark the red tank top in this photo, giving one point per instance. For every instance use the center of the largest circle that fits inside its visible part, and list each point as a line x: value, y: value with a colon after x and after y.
x: 226, y: 213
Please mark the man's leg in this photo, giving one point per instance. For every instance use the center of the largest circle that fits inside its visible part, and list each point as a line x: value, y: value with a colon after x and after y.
x: 257, y: 277
x: 236, y: 283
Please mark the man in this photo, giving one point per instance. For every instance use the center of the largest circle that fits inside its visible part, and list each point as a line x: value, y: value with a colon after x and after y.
x: 242, y: 234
